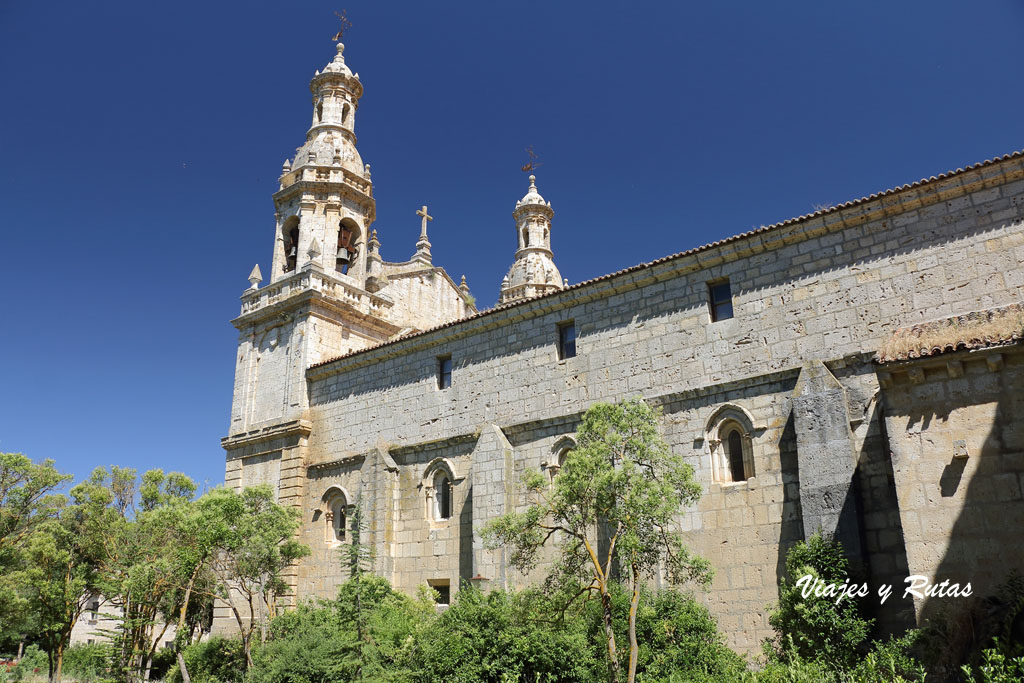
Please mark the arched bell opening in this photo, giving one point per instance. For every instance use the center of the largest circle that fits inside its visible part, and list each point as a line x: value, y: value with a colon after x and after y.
x: 290, y: 243
x: 348, y: 245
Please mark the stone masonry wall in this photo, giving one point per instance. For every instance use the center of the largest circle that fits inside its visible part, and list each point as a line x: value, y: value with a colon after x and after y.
x: 828, y: 288
x: 956, y: 431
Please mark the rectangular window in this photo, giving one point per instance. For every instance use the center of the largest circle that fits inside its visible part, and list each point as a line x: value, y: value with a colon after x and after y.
x: 444, y: 372
x: 444, y: 591
x: 566, y: 340
x: 720, y: 300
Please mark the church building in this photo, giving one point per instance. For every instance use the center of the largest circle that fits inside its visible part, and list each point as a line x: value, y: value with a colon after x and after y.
x: 856, y: 371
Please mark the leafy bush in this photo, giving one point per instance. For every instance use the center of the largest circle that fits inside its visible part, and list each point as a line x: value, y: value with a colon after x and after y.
x: 498, y: 637
x: 86, y: 663
x: 33, y: 664
x: 364, y: 634
x: 216, y: 660
x: 678, y: 638
x: 817, y: 627
x: 997, y: 666
x: 891, y: 661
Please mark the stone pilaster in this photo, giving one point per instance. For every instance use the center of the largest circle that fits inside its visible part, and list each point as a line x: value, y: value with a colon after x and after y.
x: 492, y: 485
x: 825, y: 455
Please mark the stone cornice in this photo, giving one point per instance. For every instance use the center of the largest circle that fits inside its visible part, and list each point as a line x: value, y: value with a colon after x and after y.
x: 337, y: 462
x: 352, y: 187
x: 292, y: 428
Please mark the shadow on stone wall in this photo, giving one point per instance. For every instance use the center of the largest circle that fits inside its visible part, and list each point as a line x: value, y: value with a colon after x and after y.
x: 882, y: 528
x: 965, y: 514
x: 466, y: 538
x: 791, y: 530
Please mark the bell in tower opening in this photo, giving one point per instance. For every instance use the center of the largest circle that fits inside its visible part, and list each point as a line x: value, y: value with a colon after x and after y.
x: 347, y: 249
x: 290, y: 243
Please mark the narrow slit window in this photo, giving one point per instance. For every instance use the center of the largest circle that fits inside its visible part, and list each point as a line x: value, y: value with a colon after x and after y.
x: 720, y: 300
x: 444, y: 372
x: 566, y: 340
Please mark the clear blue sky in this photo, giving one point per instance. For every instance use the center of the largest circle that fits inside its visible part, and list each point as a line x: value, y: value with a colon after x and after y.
x: 142, y: 142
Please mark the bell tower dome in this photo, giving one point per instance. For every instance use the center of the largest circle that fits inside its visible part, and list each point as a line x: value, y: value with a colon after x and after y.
x: 534, y: 272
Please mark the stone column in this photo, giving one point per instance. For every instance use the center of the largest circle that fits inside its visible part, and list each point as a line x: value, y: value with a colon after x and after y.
x: 826, y: 459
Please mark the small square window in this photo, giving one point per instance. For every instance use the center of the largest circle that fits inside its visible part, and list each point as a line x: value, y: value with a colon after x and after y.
x: 566, y: 340
x: 720, y: 300
x: 444, y: 591
x: 444, y: 372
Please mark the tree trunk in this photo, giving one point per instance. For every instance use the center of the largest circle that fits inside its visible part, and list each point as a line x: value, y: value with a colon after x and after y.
x: 181, y: 667
x: 634, y: 648
x: 613, y: 657
x: 60, y: 664
x: 180, y: 630
x: 21, y: 650
x: 247, y: 649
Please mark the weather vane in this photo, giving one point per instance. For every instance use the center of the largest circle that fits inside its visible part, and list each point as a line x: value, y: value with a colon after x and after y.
x: 532, y: 164
x: 345, y: 25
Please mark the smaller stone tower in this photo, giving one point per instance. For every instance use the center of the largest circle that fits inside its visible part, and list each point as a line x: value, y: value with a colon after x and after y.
x: 534, y: 272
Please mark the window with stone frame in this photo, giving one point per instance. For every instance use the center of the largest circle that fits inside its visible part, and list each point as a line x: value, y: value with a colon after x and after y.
x: 559, y: 454
x: 729, y: 438
x: 444, y: 372
x: 336, y: 516
x: 567, y: 340
x: 720, y: 300
x: 443, y: 589
x: 734, y: 450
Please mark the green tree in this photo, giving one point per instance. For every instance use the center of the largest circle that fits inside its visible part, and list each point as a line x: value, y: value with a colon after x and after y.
x: 253, y: 543
x: 62, y: 564
x: 614, y: 504
x: 142, y: 571
x: 27, y: 497
x: 817, y: 627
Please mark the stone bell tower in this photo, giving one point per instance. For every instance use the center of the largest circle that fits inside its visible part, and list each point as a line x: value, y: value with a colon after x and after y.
x: 325, y: 205
x: 329, y: 293
x: 316, y: 305
x: 534, y: 272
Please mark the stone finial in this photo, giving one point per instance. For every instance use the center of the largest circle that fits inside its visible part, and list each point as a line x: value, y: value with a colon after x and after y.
x: 463, y: 287
x: 314, y: 249
x: 366, y: 171
x: 565, y: 282
x: 255, y: 277
x: 374, y: 243
x: 286, y: 166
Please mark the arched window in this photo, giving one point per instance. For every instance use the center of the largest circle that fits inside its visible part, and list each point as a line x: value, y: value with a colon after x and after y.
x: 336, y: 518
x: 438, y: 484
x: 442, y: 496
x: 290, y: 233
x: 319, y: 111
x: 344, y: 114
x: 729, y: 437
x: 526, y: 237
